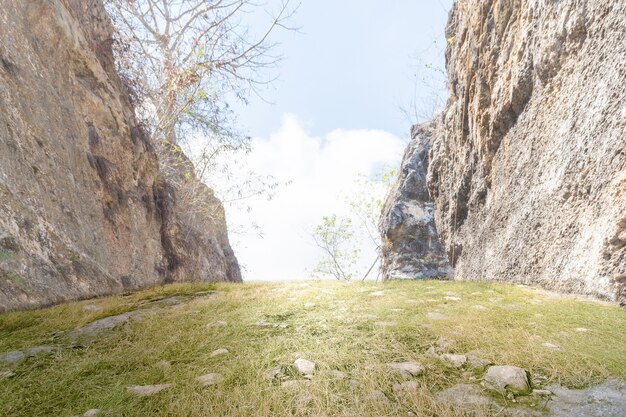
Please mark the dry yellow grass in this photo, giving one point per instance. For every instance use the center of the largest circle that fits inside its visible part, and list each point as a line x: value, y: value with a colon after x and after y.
x: 341, y: 331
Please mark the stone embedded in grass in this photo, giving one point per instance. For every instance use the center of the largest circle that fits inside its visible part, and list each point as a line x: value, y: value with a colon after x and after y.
x: 475, y: 361
x: 18, y: 356
x: 6, y: 374
x: 147, y: 390
x: 456, y: 361
x: 304, y: 366
x: 436, y: 316
x: 377, y: 294
x: 219, y: 352
x: 479, y: 307
x: 542, y: 392
x: 407, y: 369
x: 432, y: 352
x: 210, y: 379
x: 452, y: 298
x: 91, y: 413
x: 95, y: 329
x: 505, y: 379
x: 217, y: 323
x: 581, y: 330
x: 405, y: 388
x: 444, y: 344
x: 377, y: 396
x: 606, y: 400
x: 465, y: 396
x: 309, y: 305
x: 275, y: 373
x: 551, y: 346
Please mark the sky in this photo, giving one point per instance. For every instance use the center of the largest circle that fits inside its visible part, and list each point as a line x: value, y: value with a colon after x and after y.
x: 353, y: 79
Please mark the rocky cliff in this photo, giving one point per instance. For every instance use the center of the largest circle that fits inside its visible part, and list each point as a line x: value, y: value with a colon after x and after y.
x: 527, y: 167
x: 410, y: 244
x: 84, y: 208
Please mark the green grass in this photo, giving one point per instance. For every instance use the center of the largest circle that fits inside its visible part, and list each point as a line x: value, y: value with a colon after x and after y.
x: 173, y: 345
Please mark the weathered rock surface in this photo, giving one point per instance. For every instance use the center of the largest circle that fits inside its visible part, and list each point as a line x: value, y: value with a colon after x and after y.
x: 411, y: 246
x: 527, y: 166
x: 605, y: 400
x: 507, y: 379
x: 304, y: 366
x: 467, y: 397
x: 18, y: 356
x: 407, y: 369
x: 84, y: 208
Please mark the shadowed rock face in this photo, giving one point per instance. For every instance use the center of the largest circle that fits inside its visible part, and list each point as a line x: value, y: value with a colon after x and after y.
x: 528, y: 166
x: 84, y: 209
x: 411, y: 247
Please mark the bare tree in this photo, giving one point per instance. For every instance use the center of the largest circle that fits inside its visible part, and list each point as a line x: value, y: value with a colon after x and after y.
x: 187, y: 61
x: 188, y: 57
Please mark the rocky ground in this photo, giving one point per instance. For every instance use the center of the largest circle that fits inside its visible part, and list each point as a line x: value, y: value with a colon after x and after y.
x: 427, y: 348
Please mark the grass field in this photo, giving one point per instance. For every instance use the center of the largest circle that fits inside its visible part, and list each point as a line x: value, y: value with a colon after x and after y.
x: 352, y: 328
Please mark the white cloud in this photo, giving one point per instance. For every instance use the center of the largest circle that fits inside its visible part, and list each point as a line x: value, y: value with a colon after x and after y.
x: 321, y: 172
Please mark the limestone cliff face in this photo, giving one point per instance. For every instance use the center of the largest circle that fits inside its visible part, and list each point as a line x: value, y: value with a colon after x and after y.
x: 410, y: 246
x: 84, y: 210
x: 528, y: 170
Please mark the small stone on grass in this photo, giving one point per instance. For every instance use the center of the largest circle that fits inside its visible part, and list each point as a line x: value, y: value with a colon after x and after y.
x: 456, y: 361
x: 304, y: 366
x: 147, y: 390
x: 377, y: 396
x: 210, y: 379
x: 404, y: 388
x: 219, y: 352
x: 551, y: 346
x: 407, y: 369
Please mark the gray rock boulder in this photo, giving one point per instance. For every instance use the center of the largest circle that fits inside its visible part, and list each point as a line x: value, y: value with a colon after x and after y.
x: 411, y: 247
x: 507, y: 379
x: 304, y: 366
x: 18, y: 356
